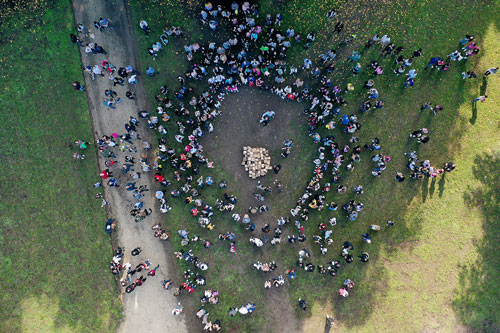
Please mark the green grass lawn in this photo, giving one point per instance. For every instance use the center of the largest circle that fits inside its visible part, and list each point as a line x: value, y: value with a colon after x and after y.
x: 54, y: 252
x: 438, y: 268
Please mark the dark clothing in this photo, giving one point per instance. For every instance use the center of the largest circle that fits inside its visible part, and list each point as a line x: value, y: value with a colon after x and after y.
x: 348, y: 245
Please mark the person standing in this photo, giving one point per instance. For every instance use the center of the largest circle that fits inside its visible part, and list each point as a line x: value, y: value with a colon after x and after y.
x: 132, y: 79
x: 110, y: 93
x: 150, y: 71
x: 419, y: 133
x: 364, y: 257
x: 480, y: 98
x: 329, y: 323
x: 434, y: 61
x: 109, y: 103
x: 104, y: 174
x: 492, y: 70
x: 145, y: 27
x: 75, y: 39
x: 139, y: 281
x: 82, y: 29
x: 399, y: 177
x: 78, y: 86
x: 177, y: 310
x: 437, y: 108
x: 96, y: 70
x: 167, y: 284
x: 449, y: 166
x: 136, y: 251
x: 130, y: 288
x: 385, y: 40
x: 469, y: 75
x: 153, y: 271
x: 302, y: 304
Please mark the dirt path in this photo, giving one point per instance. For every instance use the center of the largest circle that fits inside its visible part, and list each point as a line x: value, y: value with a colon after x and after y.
x: 149, y: 307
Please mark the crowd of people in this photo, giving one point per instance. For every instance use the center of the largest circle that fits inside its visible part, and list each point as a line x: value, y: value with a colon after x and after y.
x: 126, y: 160
x: 256, y: 55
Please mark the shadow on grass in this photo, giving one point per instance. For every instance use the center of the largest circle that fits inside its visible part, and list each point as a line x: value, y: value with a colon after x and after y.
x: 484, y: 85
x: 473, y: 119
x: 390, y: 201
x: 446, y: 128
x: 432, y: 188
x: 476, y: 301
x: 482, y: 92
x: 441, y: 183
x: 425, y: 189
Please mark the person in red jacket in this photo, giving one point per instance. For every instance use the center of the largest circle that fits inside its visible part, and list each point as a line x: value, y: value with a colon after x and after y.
x: 153, y: 271
x: 159, y: 178
x: 140, y: 281
x: 105, y: 174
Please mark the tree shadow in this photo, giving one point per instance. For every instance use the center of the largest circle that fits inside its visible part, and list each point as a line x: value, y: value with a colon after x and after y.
x: 355, y: 310
x: 476, y: 300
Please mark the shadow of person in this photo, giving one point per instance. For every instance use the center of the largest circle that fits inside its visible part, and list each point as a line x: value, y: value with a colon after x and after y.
x: 441, y: 183
x: 432, y: 188
x: 425, y: 188
x: 482, y: 92
x: 472, y: 120
x: 484, y: 85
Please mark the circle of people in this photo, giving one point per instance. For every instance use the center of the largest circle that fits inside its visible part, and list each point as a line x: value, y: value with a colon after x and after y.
x: 255, y: 56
